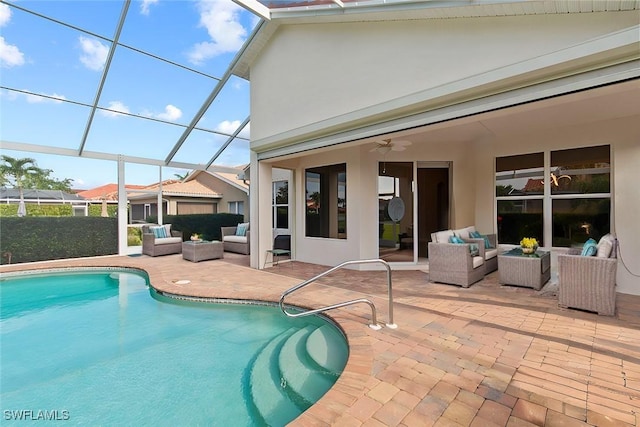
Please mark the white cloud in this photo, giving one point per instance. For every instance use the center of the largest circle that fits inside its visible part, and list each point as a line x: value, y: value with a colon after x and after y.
x: 115, y: 106
x: 94, y: 53
x: 36, y: 99
x: 221, y: 19
x: 171, y: 113
x: 5, y: 14
x: 145, y: 5
x: 228, y: 127
x: 10, y: 55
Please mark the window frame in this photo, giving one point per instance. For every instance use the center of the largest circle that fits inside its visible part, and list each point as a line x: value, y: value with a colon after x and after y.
x: 548, y: 197
x: 275, y: 206
x: 330, y: 218
x: 235, y: 203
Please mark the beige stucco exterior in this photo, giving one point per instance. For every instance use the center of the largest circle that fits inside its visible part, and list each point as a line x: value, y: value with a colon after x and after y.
x: 462, y: 91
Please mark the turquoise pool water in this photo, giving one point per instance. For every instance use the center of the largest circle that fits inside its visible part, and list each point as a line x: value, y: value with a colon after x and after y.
x: 103, y: 348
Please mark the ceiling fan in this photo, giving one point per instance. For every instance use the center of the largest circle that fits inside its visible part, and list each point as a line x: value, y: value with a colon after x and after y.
x: 383, y: 146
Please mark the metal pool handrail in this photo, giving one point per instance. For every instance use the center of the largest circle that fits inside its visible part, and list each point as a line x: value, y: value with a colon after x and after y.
x: 374, y: 321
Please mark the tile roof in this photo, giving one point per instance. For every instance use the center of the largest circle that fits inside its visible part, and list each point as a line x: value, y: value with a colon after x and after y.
x: 107, y: 191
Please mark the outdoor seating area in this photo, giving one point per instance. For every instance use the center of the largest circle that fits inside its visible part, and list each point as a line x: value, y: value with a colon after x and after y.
x: 586, y: 278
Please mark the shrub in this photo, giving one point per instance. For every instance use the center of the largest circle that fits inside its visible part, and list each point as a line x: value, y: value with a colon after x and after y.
x: 31, y: 239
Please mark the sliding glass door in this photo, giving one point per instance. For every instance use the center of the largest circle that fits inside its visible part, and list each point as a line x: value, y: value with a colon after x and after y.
x: 395, y: 211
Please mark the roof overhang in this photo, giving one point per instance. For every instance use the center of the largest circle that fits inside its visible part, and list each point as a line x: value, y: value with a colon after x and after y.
x: 610, y: 59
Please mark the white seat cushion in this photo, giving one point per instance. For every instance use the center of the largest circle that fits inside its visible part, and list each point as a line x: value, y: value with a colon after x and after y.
x: 477, y: 261
x: 167, y: 240
x: 443, y: 236
x: 464, y: 232
x: 235, y: 239
x: 490, y: 253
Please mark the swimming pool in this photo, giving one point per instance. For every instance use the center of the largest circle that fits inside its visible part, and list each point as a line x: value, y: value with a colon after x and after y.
x: 103, y: 348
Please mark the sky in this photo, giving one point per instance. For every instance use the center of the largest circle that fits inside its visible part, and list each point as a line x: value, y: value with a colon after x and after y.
x: 170, y: 58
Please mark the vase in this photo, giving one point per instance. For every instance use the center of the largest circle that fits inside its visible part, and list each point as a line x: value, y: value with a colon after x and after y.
x: 528, y: 251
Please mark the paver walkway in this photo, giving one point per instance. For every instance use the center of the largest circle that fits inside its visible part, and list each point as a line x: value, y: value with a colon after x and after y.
x: 485, y: 356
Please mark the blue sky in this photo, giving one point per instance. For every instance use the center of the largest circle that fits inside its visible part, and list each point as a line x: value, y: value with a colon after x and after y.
x: 50, y: 75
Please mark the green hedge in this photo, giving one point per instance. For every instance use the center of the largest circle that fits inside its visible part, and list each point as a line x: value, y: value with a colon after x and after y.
x: 34, y: 209
x: 31, y: 239
x: 206, y: 225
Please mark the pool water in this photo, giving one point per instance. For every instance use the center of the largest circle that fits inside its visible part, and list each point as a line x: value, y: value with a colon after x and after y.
x: 103, y: 348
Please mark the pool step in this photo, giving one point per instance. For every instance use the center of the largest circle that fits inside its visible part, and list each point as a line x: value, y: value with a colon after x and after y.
x: 302, y: 376
x: 299, y: 369
x: 318, y: 344
x: 267, y: 394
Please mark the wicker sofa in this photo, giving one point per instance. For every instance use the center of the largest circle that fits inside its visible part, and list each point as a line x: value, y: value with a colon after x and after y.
x: 156, y: 246
x: 233, y: 242
x: 589, y: 282
x: 490, y: 255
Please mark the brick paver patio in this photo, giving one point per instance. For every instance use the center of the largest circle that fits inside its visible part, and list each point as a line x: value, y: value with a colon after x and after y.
x: 488, y: 355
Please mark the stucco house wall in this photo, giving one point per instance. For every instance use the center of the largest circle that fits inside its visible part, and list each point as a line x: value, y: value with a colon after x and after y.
x: 330, y: 80
x: 336, y: 69
x: 229, y: 192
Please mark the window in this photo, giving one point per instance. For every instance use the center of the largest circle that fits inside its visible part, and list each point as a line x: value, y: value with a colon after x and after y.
x: 520, y: 191
x: 581, y: 194
x: 280, y: 203
x: 79, y: 211
x: 236, y: 208
x: 575, y: 184
x: 326, y: 201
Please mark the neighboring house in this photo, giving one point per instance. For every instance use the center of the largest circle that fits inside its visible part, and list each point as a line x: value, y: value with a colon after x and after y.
x: 435, y: 111
x: 200, y: 192
x: 108, y: 192
x: 45, y: 197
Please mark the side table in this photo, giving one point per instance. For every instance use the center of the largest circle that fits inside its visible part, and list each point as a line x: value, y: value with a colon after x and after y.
x: 516, y: 268
x: 201, y: 251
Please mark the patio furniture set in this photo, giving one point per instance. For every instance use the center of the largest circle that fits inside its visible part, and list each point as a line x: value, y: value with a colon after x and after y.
x: 586, y: 280
x: 160, y: 240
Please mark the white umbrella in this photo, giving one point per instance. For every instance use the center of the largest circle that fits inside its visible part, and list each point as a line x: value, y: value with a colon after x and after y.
x: 22, y: 209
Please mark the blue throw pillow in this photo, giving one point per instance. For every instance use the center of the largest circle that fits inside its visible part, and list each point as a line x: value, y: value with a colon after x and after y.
x: 455, y: 239
x: 159, y: 232
x: 241, y: 230
x: 590, y: 248
x: 477, y: 235
x: 473, y: 248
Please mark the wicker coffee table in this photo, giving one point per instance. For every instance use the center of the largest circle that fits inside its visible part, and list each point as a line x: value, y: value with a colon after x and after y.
x: 201, y: 251
x: 516, y: 268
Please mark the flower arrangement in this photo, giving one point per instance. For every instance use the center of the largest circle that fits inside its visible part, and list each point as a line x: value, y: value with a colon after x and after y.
x: 195, y: 237
x: 529, y: 245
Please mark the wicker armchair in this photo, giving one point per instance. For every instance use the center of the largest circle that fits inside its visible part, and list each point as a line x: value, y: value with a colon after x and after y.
x: 588, y: 282
x: 233, y: 243
x: 153, y: 246
x: 452, y: 263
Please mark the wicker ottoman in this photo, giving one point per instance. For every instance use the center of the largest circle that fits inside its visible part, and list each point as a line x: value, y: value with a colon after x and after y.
x: 201, y: 251
x: 516, y: 268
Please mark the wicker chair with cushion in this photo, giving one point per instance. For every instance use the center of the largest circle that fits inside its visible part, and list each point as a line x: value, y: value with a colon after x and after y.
x: 161, y: 240
x: 236, y: 241
x: 589, y: 282
x: 454, y: 264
